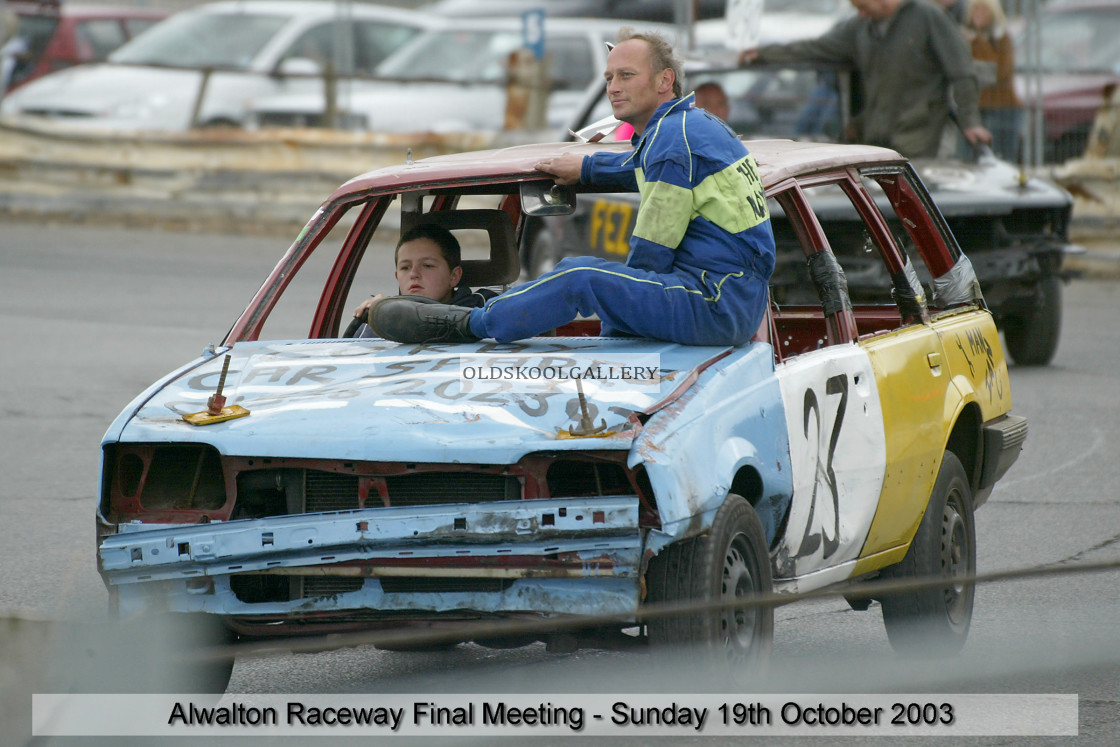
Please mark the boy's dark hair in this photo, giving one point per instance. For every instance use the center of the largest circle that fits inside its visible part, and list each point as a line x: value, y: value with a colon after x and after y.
x: 444, y: 239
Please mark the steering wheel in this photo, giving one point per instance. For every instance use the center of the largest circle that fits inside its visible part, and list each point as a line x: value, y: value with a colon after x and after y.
x: 354, y: 325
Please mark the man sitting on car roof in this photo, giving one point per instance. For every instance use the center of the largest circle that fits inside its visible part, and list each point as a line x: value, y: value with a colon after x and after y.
x: 702, y: 250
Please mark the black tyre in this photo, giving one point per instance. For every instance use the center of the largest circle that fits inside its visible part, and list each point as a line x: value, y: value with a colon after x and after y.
x: 935, y: 621
x: 1032, y: 337
x: 730, y: 562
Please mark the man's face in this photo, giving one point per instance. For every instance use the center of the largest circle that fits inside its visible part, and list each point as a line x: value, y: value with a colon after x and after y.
x: 876, y: 10
x: 634, y: 89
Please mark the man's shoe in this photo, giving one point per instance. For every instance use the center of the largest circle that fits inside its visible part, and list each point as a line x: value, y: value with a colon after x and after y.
x: 416, y: 319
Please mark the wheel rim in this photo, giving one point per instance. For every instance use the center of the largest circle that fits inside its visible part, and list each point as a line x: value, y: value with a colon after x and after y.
x: 955, y: 559
x: 738, y: 626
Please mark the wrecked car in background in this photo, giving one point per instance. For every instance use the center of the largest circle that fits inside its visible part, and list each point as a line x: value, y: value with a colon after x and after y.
x: 291, y: 480
x: 1014, y: 228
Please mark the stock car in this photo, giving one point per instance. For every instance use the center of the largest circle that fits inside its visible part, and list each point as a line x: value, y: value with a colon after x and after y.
x: 293, y: 480
x: 1013, y: 227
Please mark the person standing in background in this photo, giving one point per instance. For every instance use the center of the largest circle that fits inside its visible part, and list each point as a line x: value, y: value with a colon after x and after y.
x: 1001, y: 110
x: 712, y: 98
x: 12, y: 49
x: 915, y: 68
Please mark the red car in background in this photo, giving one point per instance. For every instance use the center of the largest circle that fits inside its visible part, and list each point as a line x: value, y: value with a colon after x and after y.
x: 59, y: 36
x: 1079, y: 61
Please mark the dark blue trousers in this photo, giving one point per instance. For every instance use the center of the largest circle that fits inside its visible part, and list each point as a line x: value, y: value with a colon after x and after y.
x: 678, y: 307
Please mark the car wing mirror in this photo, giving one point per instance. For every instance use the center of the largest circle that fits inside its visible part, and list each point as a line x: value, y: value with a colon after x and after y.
x: 541, y: 198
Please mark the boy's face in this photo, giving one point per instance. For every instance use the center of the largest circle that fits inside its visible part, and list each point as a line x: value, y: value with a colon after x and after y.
x: 422, y: 271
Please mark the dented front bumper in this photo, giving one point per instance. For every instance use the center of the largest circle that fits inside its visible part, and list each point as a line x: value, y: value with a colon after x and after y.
x: 554, y: 556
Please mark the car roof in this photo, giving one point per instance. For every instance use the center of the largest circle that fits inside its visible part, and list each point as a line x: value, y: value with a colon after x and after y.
x: 112, y: 11
x: 777, y: 160
x: 1074, y: 5
x: 563, y: 23
x: 309, y: 7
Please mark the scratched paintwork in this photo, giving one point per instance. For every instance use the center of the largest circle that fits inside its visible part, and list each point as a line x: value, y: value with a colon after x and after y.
x: 692, y: 449
x: 373, y: 400
x: 838, y: 453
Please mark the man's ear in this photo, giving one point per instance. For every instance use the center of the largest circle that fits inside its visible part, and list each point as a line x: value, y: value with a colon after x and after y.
x: 666, y: 80
x: 456, y: 276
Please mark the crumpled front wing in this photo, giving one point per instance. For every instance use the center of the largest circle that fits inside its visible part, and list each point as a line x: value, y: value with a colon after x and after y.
x: 556, y: 556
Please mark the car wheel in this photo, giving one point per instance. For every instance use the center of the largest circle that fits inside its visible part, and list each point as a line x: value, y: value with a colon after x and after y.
x: 1032, y: 338
x: 219, y: 122
x: 936, y: 621
x: 727, y: 563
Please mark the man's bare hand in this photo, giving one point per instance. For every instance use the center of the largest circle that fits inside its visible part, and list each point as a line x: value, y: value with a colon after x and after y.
x: 978, y: 135
x: 747, y: 56
x: 565, y: 169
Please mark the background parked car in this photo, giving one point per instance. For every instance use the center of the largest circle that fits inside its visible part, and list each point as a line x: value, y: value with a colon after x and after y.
x: 453, y: 78
x: 639, y: 10
x: 203, y: 66
x: 1080, y: 57
x: 58, y: 36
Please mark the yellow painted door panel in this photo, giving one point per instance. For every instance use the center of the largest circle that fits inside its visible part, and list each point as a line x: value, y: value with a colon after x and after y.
x: 912, y: 378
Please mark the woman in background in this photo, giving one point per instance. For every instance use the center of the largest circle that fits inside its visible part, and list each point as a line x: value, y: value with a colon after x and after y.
x: 1001, y: 111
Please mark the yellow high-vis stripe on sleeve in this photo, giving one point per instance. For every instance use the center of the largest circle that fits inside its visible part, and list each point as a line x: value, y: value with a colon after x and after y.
x: 665, y: 213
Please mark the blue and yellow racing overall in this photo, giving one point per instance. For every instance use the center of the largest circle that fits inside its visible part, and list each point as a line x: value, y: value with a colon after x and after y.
x: 701, y: 254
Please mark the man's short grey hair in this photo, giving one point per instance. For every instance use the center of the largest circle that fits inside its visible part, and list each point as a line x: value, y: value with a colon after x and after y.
x: 661, y: 54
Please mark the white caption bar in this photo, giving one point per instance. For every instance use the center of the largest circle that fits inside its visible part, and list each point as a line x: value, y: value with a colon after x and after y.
x: 593, y: 714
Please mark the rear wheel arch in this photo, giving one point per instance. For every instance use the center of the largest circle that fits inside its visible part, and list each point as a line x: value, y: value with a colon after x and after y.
x: 965, y: 441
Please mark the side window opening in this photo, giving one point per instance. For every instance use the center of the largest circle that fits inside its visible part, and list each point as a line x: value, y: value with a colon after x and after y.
x: 843, y: 269
x: 936, y: 265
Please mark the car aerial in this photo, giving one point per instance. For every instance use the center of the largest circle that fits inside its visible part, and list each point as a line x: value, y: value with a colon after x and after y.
x: 292, y: 480
x: 454, y: 78
x: 1013, y: 228
x: 1079, y: 60
x: 59, y: 36
x: 202, y: 66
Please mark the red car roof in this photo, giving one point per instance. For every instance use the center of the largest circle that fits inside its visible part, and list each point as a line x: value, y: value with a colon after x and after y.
x: 777, y: 160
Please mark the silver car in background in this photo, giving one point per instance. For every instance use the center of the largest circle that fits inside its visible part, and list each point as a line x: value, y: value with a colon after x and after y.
x: 202, y: 67
x: 453, y: 78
